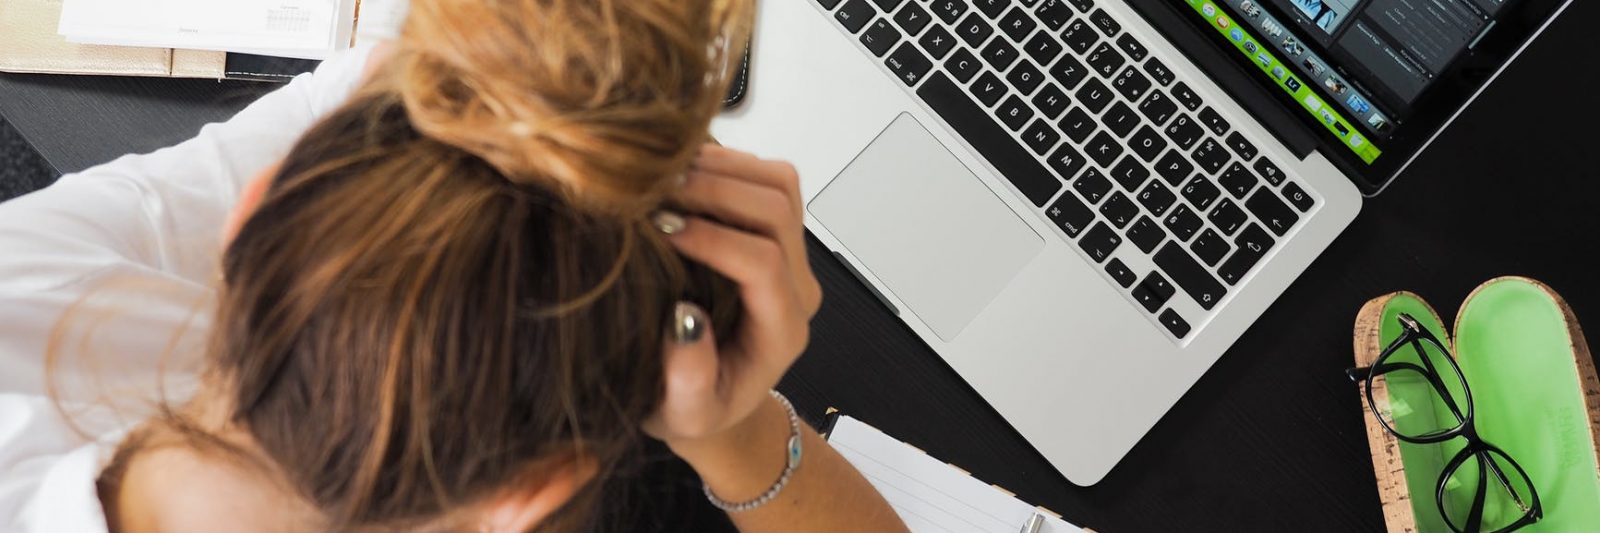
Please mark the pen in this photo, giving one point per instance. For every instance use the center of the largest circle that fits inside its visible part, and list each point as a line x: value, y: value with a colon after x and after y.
x: 1033, y: 523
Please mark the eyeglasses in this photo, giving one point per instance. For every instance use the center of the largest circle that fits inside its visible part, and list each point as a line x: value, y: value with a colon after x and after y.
x: 1503, y: 498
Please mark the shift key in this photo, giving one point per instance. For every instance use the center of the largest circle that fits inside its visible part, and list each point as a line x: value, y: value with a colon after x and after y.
x: 1189, y: 275
x: 989, y: 138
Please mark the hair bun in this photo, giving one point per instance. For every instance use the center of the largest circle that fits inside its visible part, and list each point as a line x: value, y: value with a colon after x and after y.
x: 604, y: 100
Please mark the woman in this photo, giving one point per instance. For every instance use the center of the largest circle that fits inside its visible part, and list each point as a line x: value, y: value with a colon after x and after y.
x: 463, y: 301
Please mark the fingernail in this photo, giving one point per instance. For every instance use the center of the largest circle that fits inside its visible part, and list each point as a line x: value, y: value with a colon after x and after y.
x: 669, y: 222
x: 688, y: 323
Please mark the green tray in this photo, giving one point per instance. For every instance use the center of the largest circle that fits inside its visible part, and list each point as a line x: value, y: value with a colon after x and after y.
x: 1534, y: 390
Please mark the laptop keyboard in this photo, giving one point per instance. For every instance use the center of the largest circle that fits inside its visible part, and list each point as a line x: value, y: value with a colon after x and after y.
x: 1134, y: 168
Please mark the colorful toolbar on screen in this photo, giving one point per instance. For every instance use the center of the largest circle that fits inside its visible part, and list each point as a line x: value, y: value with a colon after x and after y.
x: 1285, y: 78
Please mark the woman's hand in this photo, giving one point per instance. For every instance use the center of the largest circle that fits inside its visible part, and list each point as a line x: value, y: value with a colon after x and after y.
x: 712, y: 393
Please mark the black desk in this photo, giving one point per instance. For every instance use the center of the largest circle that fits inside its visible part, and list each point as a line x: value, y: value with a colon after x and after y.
x: 1271, y: 438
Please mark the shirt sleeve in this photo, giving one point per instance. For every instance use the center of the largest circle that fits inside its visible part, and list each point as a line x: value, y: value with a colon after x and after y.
x: 127, y: 250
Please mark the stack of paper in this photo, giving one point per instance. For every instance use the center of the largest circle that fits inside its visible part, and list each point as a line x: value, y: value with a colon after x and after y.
x: 932, y: 496
x: 308, y: 29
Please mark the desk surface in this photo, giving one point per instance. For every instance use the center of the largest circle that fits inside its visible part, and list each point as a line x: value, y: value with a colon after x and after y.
x: 1271, y: 437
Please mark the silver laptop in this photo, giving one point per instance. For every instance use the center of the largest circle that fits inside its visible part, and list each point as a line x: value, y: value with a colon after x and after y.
x: 1080, y: 204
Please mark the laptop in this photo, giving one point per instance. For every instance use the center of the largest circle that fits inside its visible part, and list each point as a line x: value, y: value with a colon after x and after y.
x: 1081, y: 204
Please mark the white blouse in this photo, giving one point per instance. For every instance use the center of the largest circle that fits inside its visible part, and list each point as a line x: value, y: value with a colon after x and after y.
x: 123, y: 257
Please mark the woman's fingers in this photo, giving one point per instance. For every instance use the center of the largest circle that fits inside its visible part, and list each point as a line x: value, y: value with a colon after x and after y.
x: 741, y: 203
x: 691, y: 372
x: 728, y: 162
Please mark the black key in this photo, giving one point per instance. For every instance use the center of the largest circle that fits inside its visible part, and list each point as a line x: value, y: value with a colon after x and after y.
x: 1017, y: 24
x: 1068, y: 72
x: 1083, y: 5
x: 988, y: 89
x: 1237, y: 181
x: 974, y: 30
x: 1120, y: 273
x: 999, y: 54
x: 1173, y: 167
x: 1070, y: 214
x: 1043, y: 48
x: 1133, y: 47
x: 1100, y: 242
x: 1066, y: 161
x: 1103, y: 149
x: 991, y: 7
x: 829, y: 4
x: 908, y: 64
x: 1210, y: 247
x: 1227, y: 216
x: 1092, y: 185
x: 1094, y: 95
x: 1270, y: 172
x: 887, y: 5
x: 1183, y: 223
x: 963, y: 65
x: 1158, y: 108
x: 880, y: 37
x: 1212, y: 120
x: 1186, y: 96
x: 1210, y: 156
x: 1174, y: 323
x: 1159, y: 71
x: 1054, y: 14
x: 1041, y: 137
x: 1024, y: 77
x: 855, y: 15
x: 1014, y: 113
x: 1190, y: 276
x: 1131, y: 84
x: 983, y: 133
x: 1157, y: 198
x: 1242, y: 147
x: 1298, y: 197
x: 1105, y: 60
x: 949, y: 10
x: 1200, y: 192
x: 1146, y: 234
x: 1147, y: 143
x: 1120, y: 119
x: 1051, y: 101
x: 1130, y: 174
x: 1104, y: 21
x: 1253, y: 244
x: 937, y: 41
x: 912, y: 18
x: 1272, y: 211
x: 1153, y: 292
x: 1184, y: 131
x: 1119, y: 210
x: 1077, y: 125
x: 1079, y: 36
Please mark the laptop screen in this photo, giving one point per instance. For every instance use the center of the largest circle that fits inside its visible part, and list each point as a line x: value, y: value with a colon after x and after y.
x: 1376, y: 78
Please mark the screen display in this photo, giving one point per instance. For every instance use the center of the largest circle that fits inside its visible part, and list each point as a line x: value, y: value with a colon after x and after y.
x: 1356, y: 66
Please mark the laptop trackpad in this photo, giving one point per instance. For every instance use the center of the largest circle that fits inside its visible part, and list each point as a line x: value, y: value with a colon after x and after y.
x: 922, y: 223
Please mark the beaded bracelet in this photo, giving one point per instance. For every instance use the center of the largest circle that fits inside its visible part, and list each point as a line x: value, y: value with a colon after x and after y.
x: 793, y: 461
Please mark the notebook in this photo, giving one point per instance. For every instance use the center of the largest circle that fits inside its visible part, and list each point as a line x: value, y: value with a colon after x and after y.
x: 930, y: 495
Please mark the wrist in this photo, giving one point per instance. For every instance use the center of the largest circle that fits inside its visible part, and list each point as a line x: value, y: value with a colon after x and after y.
x: 743, y: 461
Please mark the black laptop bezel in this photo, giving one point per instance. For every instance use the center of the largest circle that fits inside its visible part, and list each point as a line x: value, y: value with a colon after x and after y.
x: 1517, y: 24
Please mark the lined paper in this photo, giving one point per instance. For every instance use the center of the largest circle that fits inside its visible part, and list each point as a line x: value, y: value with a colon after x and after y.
x: 930, y: 495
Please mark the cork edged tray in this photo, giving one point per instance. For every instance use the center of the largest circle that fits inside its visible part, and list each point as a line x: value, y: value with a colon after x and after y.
x: 1535, y: 394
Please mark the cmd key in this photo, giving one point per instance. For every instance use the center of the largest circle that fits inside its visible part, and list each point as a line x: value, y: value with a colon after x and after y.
x: 989, y: 138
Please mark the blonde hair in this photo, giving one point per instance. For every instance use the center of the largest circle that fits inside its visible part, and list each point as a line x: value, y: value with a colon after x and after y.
x: 453, y: 281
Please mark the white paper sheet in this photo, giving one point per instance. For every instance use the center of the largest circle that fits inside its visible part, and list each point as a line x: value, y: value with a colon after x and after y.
x: 930, y: 495
x: 310, y: 29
